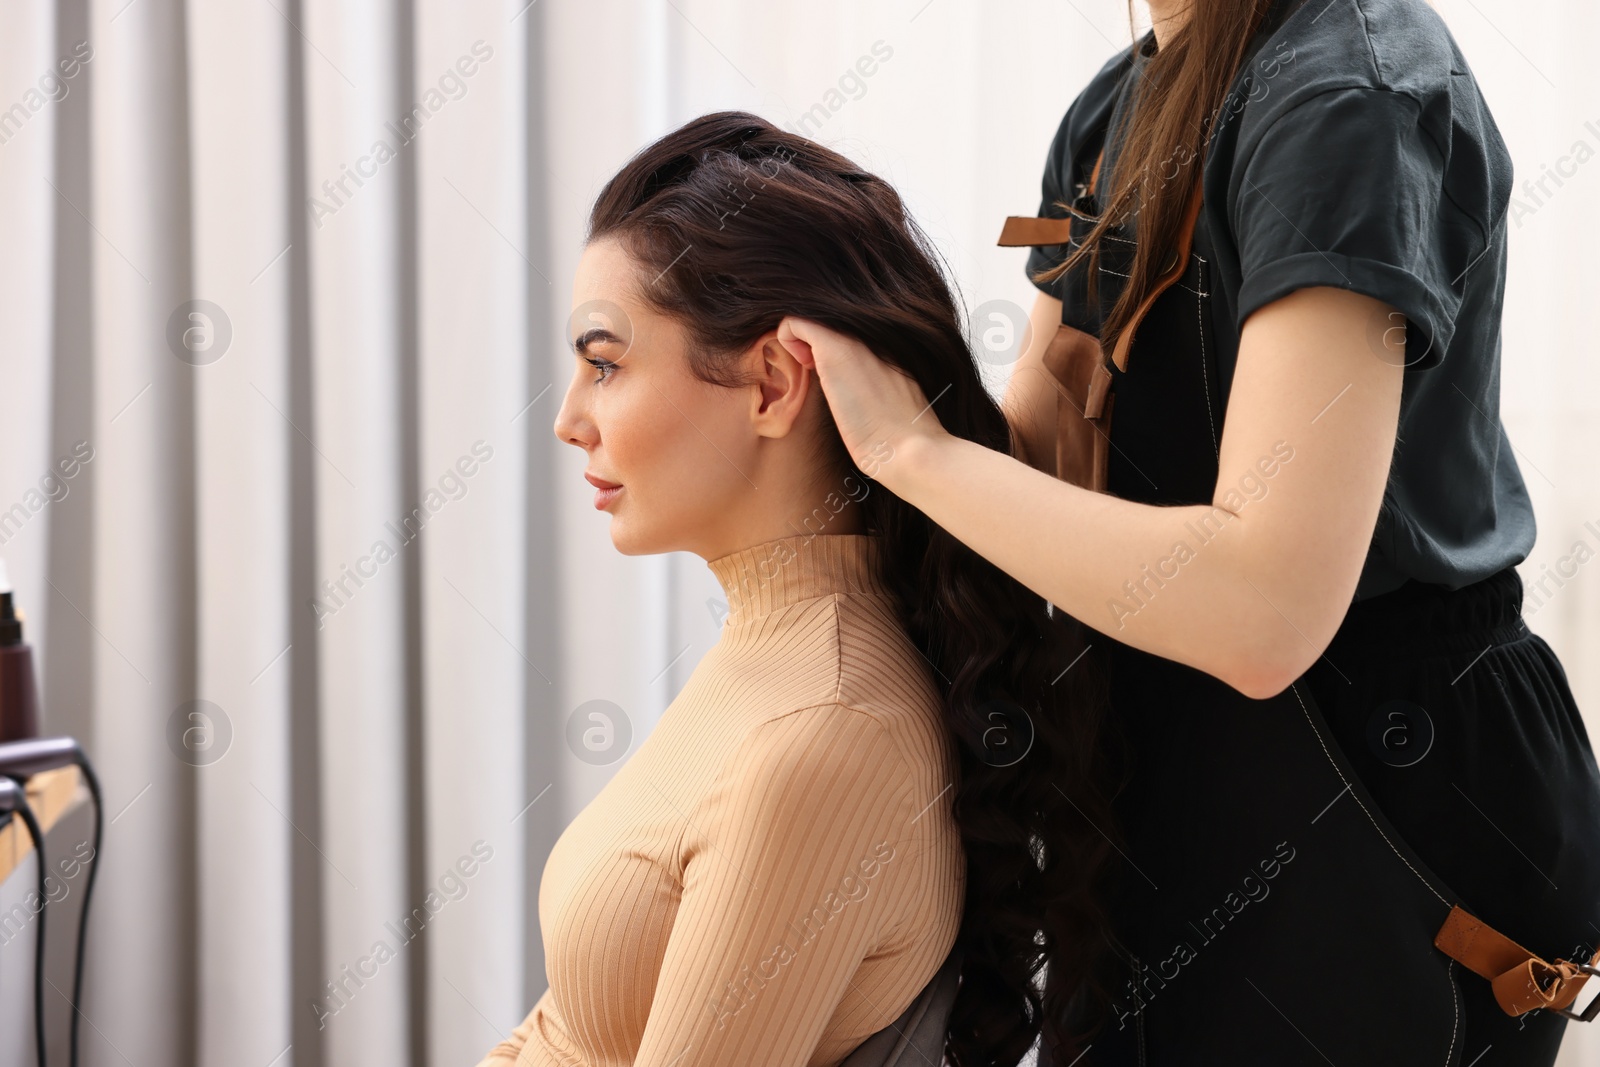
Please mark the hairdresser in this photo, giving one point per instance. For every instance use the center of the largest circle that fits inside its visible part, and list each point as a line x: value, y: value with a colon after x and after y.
x: 1257, y: 449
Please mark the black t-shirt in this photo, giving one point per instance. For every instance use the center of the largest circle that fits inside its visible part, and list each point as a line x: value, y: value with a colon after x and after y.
x: 1356, y: 151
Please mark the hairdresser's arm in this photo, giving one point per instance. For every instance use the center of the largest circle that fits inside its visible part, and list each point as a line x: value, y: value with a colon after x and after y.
x: 1030, y: 400
x: 1256, y: 604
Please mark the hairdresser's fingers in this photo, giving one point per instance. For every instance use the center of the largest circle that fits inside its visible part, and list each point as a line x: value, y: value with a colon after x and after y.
x: 827, y: 348
x: 874, y: 404
x: 797, y: 348
x: 841, y: 364
x: 829, y: 351
x: 845, y: 362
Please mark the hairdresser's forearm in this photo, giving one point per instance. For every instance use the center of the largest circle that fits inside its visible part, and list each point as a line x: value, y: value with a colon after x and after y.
x: 1099, y: 558
x: 1031, y: 393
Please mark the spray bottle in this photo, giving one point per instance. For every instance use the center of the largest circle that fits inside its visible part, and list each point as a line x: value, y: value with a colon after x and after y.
x: 19, y: 692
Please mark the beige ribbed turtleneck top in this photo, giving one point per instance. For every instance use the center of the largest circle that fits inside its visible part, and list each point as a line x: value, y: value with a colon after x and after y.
x: 775, y: 873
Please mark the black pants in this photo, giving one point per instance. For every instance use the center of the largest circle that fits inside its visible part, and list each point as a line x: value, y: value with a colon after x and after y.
x: 1460, y: 723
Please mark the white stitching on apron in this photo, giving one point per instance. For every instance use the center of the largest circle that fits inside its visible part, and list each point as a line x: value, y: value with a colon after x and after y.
x: 1455, y: 1002
x: 1449, y: 972
x: 1295, y: 687
x: 1180, y: 285
x: 1205, y: 375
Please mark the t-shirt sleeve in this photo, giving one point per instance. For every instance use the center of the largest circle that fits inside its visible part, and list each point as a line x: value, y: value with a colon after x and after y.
x: 1345, y: 189
x: 1055, y: 189
x: 1071, y: 158
x: 796, y: 867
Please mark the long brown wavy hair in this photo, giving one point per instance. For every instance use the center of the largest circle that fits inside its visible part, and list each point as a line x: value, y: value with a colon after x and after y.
x: 740, y: 224
x: 1174, y: 107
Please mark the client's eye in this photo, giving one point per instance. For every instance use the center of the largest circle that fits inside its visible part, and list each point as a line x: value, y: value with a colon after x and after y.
x: 601, y: 365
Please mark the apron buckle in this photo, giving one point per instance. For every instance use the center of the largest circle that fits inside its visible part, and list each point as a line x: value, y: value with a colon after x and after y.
x: 1589, y: 1014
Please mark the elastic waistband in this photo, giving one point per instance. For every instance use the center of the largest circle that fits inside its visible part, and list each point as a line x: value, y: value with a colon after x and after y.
x: 1421, y: 619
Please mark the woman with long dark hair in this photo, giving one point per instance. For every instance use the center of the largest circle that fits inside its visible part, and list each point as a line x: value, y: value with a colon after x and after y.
x: 1261, y: 455
x: 886, y: 770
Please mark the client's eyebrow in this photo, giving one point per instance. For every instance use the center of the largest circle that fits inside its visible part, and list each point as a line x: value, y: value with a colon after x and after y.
x: 597, y: 335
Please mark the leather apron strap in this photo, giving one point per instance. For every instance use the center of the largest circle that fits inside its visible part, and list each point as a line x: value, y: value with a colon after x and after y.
x: 1522, y: 981
x: 1022, y: 231
x: 1078, y: 361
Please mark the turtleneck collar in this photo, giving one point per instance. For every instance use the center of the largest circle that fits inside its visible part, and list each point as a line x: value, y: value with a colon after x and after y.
x: 763, y: 578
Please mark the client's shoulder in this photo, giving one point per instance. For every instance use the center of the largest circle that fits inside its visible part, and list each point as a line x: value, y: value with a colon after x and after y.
x: 835, y: 760
x: 880, y: 670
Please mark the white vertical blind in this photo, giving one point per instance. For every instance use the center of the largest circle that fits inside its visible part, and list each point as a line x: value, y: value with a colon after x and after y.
x: 238, y: 125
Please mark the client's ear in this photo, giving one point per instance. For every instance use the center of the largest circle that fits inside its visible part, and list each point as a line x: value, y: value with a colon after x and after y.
x: 783, y: 386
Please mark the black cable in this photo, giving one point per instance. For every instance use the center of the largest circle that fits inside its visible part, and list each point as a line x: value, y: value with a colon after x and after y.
x: 38, y: 942
x: 23, y: 809
x: 88, y: 887
x: 18, y: 761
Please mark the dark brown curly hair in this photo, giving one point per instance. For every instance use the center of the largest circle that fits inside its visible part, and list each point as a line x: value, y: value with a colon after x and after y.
x: 741, y: 224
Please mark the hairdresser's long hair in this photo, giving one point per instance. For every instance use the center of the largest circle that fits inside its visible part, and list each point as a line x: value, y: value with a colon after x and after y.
x: 1174, y: 108
x: 740, y: 224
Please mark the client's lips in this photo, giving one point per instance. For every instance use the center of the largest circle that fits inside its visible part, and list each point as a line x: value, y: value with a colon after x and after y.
x: 605, y: 492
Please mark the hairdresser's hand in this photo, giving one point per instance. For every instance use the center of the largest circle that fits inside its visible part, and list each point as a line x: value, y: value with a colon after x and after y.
x: 878, y: 408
